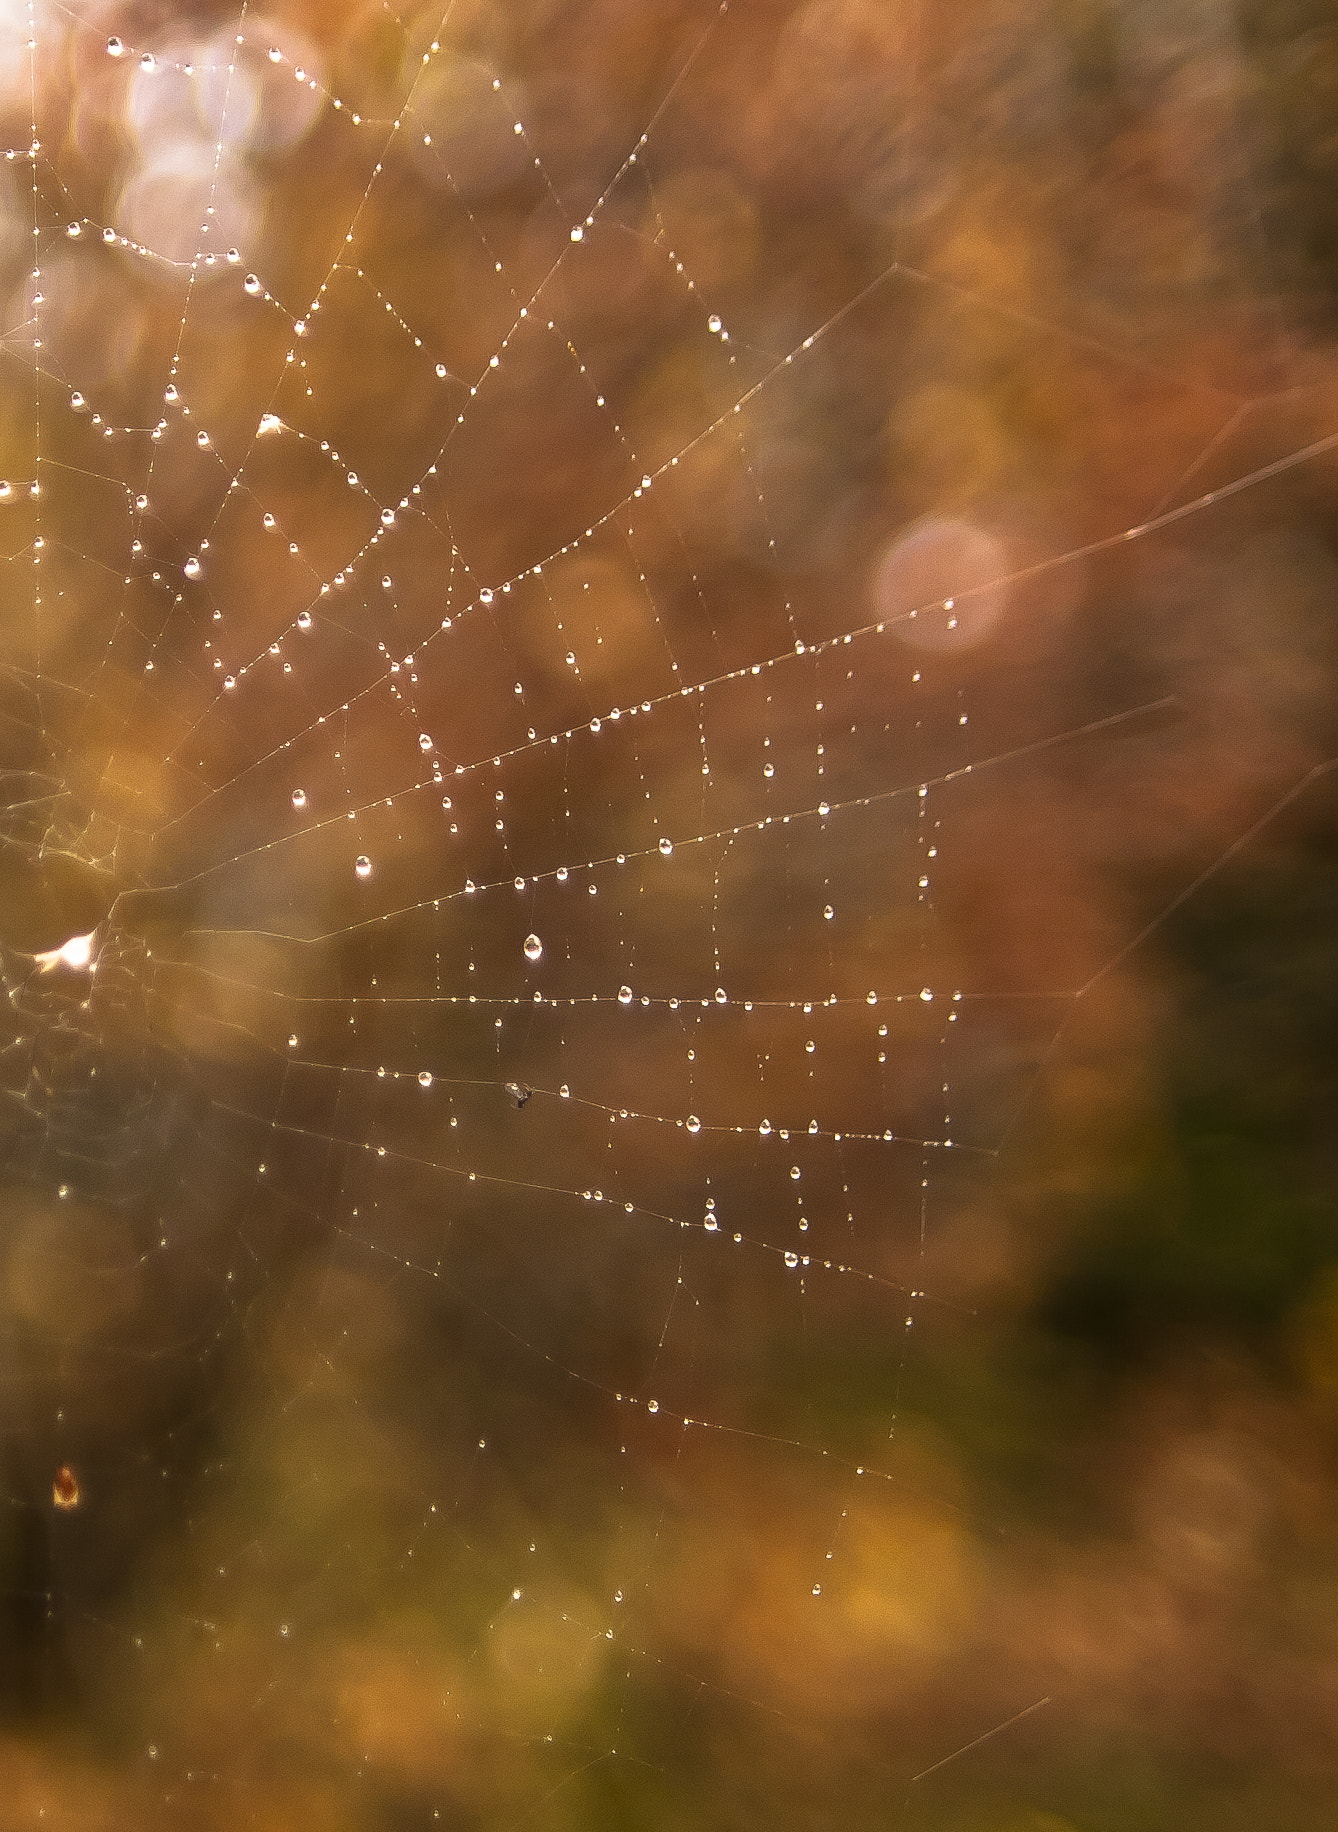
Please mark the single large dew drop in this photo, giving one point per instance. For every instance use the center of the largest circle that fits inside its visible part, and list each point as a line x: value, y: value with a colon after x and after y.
x: 362, y: 865
x: 533, y: 948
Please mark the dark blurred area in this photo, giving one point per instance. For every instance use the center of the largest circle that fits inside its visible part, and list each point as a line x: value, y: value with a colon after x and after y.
x: 668, y: 1153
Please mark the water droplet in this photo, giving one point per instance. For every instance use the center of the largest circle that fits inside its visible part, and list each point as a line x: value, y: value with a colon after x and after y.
x: 564, y: 1092
x: 74, y: 231
x: 824, y: 809
x: 713, y: 323
x: 229, y: 682
x: 561, y: 874
x: 115, y: 48
x: 791, y: 1260
x: 871, y: 998
x: 829, y: 912
x: 711, y: 1224
x: 251, y: 284
x: 926, y: 993
x: 765, y: 1128
x: 578, y: 234
x: 533, y: 948
x: 148, y: 61
x: 424, y: 742
x: 694, y: 1124
x: 425, y: 1078
x: 362, y: 865
x: 652, y: 1405
x: 795, y: 1173
x: 192, y: 568
x: 666, y: 847
x: 292, y: 1041
x: 304, y: 620
x: 624, y: 995
x: 299, y: 798
x: 721, y: 996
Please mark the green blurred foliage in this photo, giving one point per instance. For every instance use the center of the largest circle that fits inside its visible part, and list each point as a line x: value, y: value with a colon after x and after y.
x: 1229, y: 1216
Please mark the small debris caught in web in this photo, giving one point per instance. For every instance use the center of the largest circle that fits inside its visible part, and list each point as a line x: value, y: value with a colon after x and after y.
x: 519, y: 1092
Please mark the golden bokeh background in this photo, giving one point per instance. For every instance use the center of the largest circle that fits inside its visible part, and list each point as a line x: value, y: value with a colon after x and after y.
x: 818, y: 517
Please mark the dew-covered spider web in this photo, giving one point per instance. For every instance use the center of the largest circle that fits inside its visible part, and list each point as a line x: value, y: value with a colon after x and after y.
x: 623, y: 627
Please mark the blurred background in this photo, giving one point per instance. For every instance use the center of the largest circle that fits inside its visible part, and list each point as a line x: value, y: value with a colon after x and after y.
x: 667, y: 891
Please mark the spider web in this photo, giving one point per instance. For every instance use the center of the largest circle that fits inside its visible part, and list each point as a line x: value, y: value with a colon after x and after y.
x: 616, y: 626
